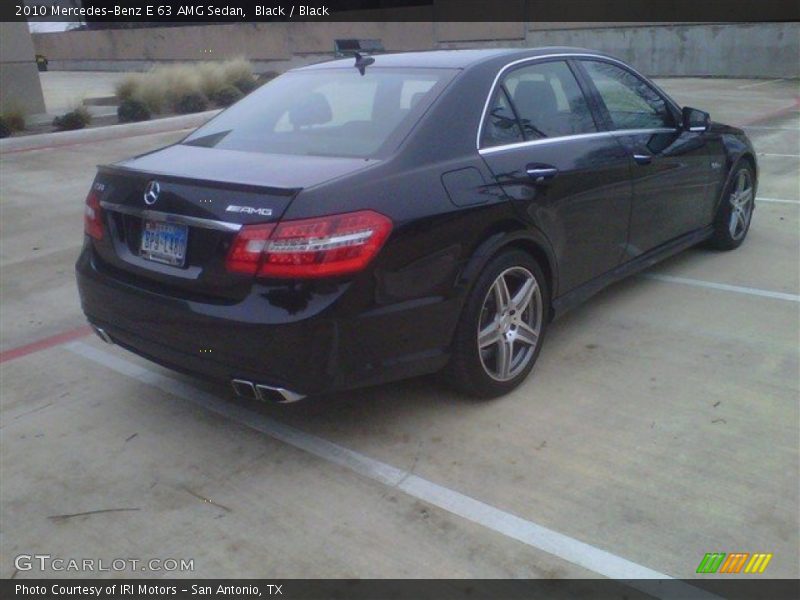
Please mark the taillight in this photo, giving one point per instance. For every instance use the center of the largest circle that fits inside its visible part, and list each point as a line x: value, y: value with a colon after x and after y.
x: 247, y: 249
x: 307, y: 248
x: 92, y: 214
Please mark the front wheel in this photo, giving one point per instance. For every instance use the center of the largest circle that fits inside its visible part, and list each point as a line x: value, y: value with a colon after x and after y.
x: 736, y: 209
x: 502, y: 328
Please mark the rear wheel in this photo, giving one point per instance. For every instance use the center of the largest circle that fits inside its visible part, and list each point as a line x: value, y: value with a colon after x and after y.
x: 502, y: 327
x: 736, y: 209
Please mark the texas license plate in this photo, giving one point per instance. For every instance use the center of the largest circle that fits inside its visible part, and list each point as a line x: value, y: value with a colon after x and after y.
x: 164, y: 242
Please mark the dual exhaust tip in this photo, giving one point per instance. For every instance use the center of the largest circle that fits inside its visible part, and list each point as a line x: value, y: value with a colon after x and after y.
x: 265, y: 393
x: 102, y: 334
x: 242, y: 387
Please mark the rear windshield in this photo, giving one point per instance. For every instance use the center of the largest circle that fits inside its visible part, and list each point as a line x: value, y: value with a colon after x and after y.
x: 326, y: 112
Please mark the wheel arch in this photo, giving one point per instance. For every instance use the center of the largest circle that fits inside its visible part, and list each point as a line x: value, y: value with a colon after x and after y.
x: 746, y: 156
x: 749, y: 157
x: 530, y: 241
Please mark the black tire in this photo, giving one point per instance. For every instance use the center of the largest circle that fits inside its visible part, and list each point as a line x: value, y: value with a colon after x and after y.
x: 727, y: 233
x: 468, y: 369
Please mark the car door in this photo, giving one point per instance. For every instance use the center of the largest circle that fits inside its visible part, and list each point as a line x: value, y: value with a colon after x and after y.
x: 566, y: 177
x: 669, y: 165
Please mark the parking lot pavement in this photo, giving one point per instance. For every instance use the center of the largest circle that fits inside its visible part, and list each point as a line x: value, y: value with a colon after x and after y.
x: 660, y: 423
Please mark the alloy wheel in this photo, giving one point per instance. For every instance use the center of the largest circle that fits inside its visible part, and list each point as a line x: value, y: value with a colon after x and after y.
x: 741, y: 200
x: 510, y: 324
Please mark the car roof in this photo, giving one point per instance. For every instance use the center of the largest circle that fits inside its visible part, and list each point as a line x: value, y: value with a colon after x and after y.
x: 451, y: 59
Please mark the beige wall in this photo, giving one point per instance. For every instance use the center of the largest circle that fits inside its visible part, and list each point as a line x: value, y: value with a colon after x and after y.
x: 663, y: 49
x: 255, y: 40
x: 19, y: 78
x: 317, y: 38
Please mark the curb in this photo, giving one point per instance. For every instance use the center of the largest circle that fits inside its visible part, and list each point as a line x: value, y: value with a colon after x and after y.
x: 100, y: 134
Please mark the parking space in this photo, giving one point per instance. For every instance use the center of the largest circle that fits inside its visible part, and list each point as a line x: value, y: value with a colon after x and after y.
x: 660, y: 423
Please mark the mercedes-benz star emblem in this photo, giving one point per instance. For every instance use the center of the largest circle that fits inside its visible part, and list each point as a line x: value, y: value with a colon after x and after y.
x: 151, y: 193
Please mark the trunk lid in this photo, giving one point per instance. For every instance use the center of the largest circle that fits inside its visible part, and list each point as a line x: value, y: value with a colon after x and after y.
x: 170, y: 216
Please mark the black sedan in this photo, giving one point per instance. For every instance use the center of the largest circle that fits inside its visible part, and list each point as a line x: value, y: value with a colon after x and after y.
x: 370, y: 219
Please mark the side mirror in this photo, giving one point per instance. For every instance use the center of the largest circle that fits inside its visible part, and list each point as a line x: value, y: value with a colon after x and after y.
x: 695, y: 120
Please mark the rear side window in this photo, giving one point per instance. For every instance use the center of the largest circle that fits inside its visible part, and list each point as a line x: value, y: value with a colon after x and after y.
x: 326, y: 112
x: 630, y: 101
x: 549, y: 101
x: 501, y: 126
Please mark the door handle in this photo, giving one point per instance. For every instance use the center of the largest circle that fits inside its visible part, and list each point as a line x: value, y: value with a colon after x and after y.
x: 643, y: 159
x: 541, y: 173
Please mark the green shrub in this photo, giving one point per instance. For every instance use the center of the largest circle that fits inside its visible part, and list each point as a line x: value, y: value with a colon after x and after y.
x: 14, y: 119
x: 153, y: 94
x: 75, y: 119
x: 126, y: 88
x: 266, y: 76
x: 179, y: 81
x: 5, y: 130
x: 191, y: 102
x: 164, y: 87
x: 211, y: 78
x: 226, y: 96
x: 245, y: 84
x: 132, y: 110
x: 237, y: 68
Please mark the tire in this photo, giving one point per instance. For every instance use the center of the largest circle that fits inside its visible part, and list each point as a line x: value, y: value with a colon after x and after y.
x: 496, y: 362
x: 735, y: 212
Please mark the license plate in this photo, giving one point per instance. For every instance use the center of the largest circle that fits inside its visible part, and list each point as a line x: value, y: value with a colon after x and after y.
x: 164, y: 242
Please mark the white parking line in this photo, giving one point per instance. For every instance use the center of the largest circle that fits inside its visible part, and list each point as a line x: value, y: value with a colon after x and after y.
x: 777, y: 200
x: 783, y: 155
x: 724, y: 287
x: 529, y: 533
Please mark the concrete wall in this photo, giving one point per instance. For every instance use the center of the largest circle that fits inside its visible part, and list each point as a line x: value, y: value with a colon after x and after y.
x: 677, y: 49
x: 722, y: 50
x: 19, y: 78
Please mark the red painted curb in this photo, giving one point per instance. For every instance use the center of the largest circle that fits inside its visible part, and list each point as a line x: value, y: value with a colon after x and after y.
x: 774, y: 114
x: 55, y: 340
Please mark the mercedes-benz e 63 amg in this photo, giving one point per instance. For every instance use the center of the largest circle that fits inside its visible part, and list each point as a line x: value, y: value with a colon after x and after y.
x: 375, y: 218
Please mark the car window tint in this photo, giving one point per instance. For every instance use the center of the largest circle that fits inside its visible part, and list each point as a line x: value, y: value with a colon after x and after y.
x: 348, y: 102
x: 631, y: 102
x: 413, y: 91
x: 549, y: 101
x: 501, y: 126
x: 326, y: 112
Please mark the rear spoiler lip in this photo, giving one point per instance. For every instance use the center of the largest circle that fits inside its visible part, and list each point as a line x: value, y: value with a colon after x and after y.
x: 111, y: 169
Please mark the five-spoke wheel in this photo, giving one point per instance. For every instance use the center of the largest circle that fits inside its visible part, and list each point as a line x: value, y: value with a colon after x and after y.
x: 736, y: 208
x: 510, y: 322
x: 502, y: 326
x: 741, y: 200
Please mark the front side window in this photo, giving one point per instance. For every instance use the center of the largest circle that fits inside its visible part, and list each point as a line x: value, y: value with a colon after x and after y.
x: 325, y: 112
x: 630, y: 101
x: 549, y: 101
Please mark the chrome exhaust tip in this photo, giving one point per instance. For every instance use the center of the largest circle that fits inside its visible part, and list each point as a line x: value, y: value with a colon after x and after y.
x: 244, y: 389
x: 101, y: 333
x: 265, y: 393
x: 276, y: 394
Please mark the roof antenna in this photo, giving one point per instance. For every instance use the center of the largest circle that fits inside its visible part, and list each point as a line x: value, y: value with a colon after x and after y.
x: 362, y: 62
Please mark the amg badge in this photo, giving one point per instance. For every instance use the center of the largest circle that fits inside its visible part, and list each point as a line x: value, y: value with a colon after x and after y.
x: 249, y: 210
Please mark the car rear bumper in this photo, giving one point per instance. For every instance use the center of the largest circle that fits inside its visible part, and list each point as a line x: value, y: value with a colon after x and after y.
x: 291, y: 337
